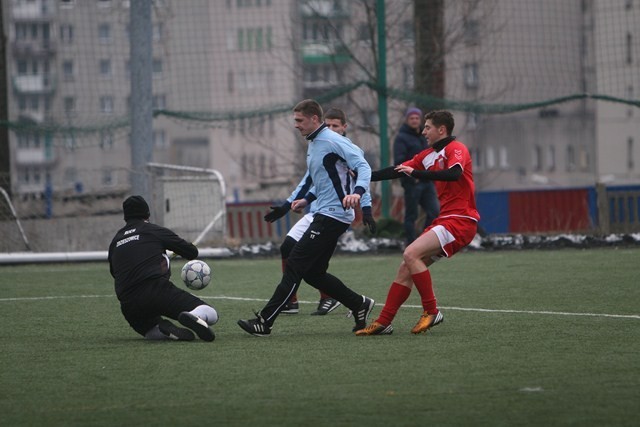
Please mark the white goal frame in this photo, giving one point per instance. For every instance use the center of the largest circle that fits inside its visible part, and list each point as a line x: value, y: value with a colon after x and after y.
x: 189, y: 182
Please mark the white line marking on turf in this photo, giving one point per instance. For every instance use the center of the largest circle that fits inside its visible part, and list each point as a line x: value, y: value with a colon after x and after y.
x: 54, y: 297
x: 480, y: 310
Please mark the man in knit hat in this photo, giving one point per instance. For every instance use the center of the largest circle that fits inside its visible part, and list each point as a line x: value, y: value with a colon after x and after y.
x: 407, y: 144
x: 141, y: 269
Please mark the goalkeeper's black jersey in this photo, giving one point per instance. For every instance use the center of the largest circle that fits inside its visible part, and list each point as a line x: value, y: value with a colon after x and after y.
x: 137, y: 254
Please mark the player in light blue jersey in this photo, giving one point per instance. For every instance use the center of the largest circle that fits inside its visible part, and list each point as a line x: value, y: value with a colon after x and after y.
x: 309, y: 258
x: 336, y: 120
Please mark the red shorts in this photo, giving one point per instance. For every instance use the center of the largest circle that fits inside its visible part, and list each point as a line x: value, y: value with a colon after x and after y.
x: 454, y: 233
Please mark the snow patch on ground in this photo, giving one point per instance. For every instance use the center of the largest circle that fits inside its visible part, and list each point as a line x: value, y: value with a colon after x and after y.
x: 351, y: 243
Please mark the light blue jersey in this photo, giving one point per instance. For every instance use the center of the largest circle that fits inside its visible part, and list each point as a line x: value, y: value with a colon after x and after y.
x: 330, y: 156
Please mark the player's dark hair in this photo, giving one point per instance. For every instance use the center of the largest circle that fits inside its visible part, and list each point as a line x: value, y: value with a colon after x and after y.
x: 441, y: 118
x: 309, y: 108
x: 336, y: 113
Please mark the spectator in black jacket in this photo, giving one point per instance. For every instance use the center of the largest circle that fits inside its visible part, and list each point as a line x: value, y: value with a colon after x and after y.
x: 407, y: 144
x: 141, y: 270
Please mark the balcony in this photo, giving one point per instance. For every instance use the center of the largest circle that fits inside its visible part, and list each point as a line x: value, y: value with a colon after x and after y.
x: 35, y: 84
x: 324, y: 53
x: 329, y: 9
x: 35, y: 156
x: 33, y: 48
x: 39, y: 10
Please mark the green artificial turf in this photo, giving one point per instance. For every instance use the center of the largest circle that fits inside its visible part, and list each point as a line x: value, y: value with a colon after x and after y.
x: 530, y: 338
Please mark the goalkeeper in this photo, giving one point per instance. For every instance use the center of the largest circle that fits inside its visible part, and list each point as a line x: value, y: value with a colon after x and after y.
x: 141, y: 270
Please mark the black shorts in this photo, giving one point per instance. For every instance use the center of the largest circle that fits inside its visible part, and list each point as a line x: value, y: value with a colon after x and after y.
x: 144, y: 307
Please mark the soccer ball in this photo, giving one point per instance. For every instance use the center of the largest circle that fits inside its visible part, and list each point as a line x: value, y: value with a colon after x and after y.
x: 196, y: 274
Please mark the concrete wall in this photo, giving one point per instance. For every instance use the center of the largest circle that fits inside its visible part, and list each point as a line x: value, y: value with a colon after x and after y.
x: 61, y: 234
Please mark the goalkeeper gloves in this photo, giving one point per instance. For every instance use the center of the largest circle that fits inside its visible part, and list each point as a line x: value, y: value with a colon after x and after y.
x: 277, y: 212
x: 367, y: 219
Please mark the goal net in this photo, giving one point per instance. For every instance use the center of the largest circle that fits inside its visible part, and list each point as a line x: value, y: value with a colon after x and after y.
x: 190, y: 201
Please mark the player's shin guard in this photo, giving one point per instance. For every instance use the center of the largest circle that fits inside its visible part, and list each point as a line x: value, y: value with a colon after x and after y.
x: 424, y: 285
x: 397, y: 295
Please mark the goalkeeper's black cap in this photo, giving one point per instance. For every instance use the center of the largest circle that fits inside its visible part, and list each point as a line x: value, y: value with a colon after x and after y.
x: 135, y: 207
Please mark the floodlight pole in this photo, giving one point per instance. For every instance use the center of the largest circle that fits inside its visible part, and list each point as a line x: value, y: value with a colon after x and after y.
x: 141, y: 55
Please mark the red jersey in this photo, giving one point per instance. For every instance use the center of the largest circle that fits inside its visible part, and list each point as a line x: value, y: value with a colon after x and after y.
x: 457, y: 198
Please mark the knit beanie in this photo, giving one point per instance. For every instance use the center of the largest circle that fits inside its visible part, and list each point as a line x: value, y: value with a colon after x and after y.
x: 135, y: 207
x: 411, y: 111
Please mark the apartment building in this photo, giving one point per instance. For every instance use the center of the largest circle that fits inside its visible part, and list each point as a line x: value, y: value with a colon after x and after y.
x: 230, y: 67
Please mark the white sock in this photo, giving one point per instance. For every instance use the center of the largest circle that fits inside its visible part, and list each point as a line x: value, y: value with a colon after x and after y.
x: 206, y: 313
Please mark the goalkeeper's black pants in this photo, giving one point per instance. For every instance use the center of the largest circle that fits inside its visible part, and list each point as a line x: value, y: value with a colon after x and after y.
x: 309, y: 260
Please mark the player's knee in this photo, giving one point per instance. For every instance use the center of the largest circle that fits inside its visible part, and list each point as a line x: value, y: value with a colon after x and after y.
x: 410, y: 255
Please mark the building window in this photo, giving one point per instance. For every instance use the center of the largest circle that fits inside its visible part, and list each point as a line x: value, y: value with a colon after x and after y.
x: 230, y: 81
x: 476, y: 158
x: 157, y: 68
x: 537, y: 158
x: 21, y: 31
x: 159, y: 139
x: 70, y: 175
x: 104, y: 33
x: 240, y: 39
x: 491, y: 158
x: 630, y: 163
x: 70, y: 142
x: 107, y: 177
x: 551, y: 158
x: 571, y: 158
x: 22, y: 67
x: 471, y: 79
x: 105, y: 67
x: 158, y: 32
x: 629, y: 49
x: 472, y: 121
x: 408, y: 77
x: 254, y: 39
x: 66, y: 3
x: 471, y: 32
x: 106, y: 104
x: 408, y: 33
x: 69, y: 104
x: 67, y: 70
x: 66, y: 33
x: 585, y: 161
x: 503, y: 155
x: 104, y: 3
x: 106, y: 140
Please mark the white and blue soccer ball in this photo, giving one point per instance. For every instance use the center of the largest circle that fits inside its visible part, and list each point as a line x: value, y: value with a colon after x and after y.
x: 196, y: 274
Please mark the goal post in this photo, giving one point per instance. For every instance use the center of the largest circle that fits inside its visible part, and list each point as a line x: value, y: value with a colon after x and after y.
x: 10, y: 226
x: 189, y: 201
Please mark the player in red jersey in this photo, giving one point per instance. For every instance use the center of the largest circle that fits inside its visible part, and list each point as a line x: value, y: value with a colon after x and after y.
x: 447, y: 162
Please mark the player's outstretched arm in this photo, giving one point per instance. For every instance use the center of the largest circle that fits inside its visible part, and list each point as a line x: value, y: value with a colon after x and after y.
x: 451, y: 174
x: 386, y: 174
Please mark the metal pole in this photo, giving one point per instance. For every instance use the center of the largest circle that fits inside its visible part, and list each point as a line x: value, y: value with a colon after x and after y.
x: 141, y: 94
x: 382, y: 103
x: 5, y: 151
